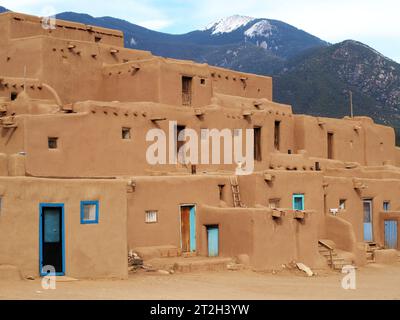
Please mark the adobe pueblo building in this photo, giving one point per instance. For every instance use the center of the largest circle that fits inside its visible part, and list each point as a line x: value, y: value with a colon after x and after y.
x: 78, y: 193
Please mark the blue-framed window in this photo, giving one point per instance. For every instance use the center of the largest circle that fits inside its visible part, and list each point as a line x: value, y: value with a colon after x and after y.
x: 89, y: 212
x: 298, y: 202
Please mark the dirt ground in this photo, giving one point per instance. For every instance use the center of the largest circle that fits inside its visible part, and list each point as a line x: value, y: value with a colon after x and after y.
x: 373, y: 282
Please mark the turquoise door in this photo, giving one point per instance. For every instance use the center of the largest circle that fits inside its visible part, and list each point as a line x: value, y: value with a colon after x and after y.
x: 367, y: 207
x: 213, y: 241
x: 193, y: 229
x: 391, y: 234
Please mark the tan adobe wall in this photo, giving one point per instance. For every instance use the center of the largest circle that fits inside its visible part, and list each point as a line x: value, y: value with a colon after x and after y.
x: 259, y: 233
x: 167, y: 194
x: 100, y: 127
x: 355, y: 140
x: 92, y: 251
x: 111, y: 72
x: 377, y: 190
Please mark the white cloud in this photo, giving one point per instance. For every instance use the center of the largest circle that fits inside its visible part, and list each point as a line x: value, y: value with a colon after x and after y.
x: 131, y: 10
x: 155, y: 24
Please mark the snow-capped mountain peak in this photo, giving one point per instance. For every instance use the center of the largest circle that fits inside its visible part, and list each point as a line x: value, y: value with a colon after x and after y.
x: 262, y: 28
x: 229, y: 24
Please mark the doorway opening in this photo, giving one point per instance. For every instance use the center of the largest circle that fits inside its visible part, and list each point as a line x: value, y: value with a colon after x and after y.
x: 330, y: 145
x: 213, y: 240
x: 257, y: 144
x: 277, y: 135
x: 187, y: 90
x: 391, y: 234
x: 367, y: 209
x: 188, y: 228
x: 52, y: 239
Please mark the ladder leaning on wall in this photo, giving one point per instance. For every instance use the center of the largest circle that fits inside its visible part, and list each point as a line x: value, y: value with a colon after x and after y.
x: 237, y: 202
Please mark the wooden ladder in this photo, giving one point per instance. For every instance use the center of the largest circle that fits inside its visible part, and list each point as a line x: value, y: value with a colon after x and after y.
x: 237, y: 202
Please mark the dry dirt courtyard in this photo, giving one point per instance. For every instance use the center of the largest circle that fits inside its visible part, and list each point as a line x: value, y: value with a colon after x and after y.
x: 372, y: 282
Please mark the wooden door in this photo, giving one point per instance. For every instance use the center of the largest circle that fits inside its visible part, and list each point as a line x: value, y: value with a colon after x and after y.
x: 391, y: 234
x: 185, y: 228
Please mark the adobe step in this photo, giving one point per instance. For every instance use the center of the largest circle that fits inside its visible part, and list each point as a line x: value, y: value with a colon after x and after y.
x: 147, y: 253
x: 340, y: 263
x: 327, y: 254
x: 192, y: 264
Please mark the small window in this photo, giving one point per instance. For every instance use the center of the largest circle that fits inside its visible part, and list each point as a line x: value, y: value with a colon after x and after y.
x: 126, y: 133
x: 53, y: 143
x: 97, y: 39
x: 89, y: 212
x: 13, y: 96
x: 298, y: 202
x: 203, y: 81
x: 151, y: 216
x: 342, y: 204
x: 386, y: 206
x: 274, y: 203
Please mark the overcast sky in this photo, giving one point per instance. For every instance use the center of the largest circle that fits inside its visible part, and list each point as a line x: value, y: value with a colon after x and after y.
x: 374, y: 22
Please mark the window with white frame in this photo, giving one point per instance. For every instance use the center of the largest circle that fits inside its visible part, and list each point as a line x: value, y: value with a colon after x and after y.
x: 151, y: 216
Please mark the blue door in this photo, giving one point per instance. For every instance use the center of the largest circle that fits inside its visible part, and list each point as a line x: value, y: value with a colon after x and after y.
x: 51, y: 239
x: 193, y: 229
x: 391, y: 234
x: 213, y: 241
x: 367, y: 207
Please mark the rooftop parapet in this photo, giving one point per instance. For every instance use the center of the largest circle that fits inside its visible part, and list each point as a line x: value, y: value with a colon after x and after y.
x: 17, y: 25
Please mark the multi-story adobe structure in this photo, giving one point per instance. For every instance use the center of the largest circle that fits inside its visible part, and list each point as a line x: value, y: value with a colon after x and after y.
x: 78, y: 193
